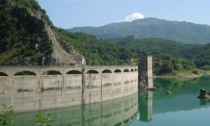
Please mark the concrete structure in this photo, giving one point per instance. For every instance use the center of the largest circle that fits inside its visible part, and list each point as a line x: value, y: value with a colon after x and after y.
x: 55, y: 87
x: 117, y: 112
x: 145, y: 71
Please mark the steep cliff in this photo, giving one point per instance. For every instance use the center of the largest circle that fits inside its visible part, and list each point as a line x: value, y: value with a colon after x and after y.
x: 27, y: 37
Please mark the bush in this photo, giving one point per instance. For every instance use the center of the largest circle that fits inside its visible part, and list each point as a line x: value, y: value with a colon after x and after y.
x: 6, y: 116
x: 43, y: 120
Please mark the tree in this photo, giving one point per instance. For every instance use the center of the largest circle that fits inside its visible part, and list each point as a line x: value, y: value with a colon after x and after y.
x: 165, y: 68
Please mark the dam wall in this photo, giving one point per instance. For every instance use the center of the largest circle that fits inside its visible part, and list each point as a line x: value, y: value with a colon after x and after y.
x: 117, y: 112
x: 39, y: 88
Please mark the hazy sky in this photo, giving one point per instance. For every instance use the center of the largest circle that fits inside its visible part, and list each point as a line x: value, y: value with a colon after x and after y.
x: 74, y: 13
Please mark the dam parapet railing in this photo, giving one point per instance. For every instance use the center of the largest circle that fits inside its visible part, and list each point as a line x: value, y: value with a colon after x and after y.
x: 63, y: 86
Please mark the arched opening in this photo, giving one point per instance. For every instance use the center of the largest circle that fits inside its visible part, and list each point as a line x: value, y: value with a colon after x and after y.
x: 132, y: 117
x: 126, y: 70
x: 117, y: 71
x: 52, y: 72
x: 92, y: 72
x: 24, y: 81
x: 52, y: 80
x: 132, y: 70
x: 23, y: 73
x: 106, y: 71
x: 118, y: 124
x: 3, y: 74
x: 74, y: 72
x: 126, y: 121
x: 106, y: 78
x: 73, y: 79
x: 93, y: 79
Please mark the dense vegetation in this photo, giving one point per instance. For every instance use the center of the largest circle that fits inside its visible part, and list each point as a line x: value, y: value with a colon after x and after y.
x: 23, y: 39
x: 169, y: 55
x: 96, y: 52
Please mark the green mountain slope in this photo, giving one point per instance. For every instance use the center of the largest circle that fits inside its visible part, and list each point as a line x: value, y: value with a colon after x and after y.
x: 183, y: 32
x: 185, y: 56
x: 160, y: 47
x: 28, y: 37
x: 95, y: 51
x: 23, y: 38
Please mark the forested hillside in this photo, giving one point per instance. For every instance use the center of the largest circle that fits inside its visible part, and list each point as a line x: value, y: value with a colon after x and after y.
x: 97, y: 52
x: 160, y: 47
x: 23, y: 39
x: 27, y: 37
x: 184, y: 32
x: 169, y: 55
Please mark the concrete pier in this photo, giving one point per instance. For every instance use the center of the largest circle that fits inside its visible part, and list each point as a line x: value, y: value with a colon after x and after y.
x: 145, y: 76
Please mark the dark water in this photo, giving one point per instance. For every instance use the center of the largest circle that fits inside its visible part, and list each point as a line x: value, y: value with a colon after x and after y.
x: 140, y: 109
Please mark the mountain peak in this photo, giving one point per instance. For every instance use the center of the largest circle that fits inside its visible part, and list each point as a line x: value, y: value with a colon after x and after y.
x: 184, y: 32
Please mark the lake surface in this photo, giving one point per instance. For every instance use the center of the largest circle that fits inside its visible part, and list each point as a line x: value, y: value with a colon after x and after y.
x: 182, y: 108
x: 142, y: 108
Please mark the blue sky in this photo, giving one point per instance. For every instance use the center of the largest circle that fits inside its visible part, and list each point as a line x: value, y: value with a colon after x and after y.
x: 75, y: 13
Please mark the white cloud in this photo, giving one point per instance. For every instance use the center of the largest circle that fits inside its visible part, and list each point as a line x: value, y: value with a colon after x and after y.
x: 133, y: 17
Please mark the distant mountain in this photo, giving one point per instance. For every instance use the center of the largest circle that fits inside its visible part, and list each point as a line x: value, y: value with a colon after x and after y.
x: 28, y: 37
x: 183, y: 32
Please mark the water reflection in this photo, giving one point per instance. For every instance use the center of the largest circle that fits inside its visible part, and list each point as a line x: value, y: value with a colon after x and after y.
x: 184, y: 97
x: 180, y: 108
x: 204, y: 102
x: 153, y: 108
x: 111, y: 113
x: 145, y: 105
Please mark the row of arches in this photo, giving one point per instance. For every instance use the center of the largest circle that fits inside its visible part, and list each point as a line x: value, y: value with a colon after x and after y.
x: 54, y: 72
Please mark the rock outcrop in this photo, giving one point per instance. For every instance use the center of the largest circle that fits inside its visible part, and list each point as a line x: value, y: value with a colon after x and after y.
x: 63, y: 54
x: 204, y: 94
x: 169, y: 92
x: 143, y: 86
x: 28, y: 39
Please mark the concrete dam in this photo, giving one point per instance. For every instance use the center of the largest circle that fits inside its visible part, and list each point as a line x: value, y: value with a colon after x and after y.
x: 61, y: 86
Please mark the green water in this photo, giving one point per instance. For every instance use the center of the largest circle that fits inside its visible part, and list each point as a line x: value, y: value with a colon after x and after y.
x: 117, y: 112
x: 182, y: 108
x: 140, y: 109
